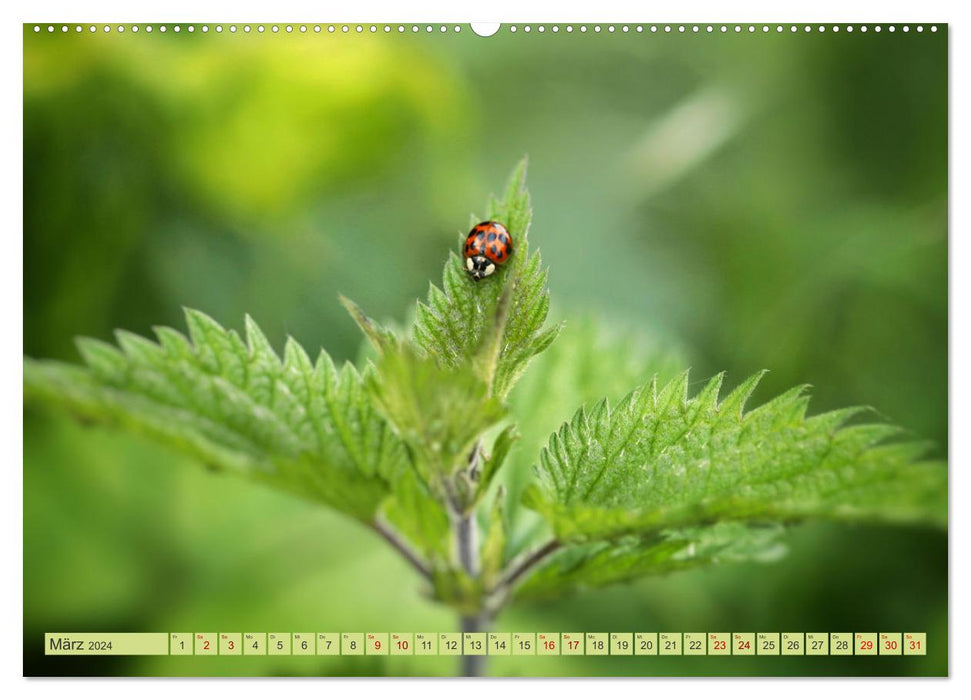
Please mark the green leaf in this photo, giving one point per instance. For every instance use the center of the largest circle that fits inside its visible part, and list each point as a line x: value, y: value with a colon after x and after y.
x: 305, y: 427
x: 438, y: 413
x: 587, y: 362
x: 381, y: 338
x: 414, y: 512
x: 657, y: 460
x: 500, y: 450
x: 494, y: 325
x: 494, y: 546
x: 457, y: 589
x: 597, y: 564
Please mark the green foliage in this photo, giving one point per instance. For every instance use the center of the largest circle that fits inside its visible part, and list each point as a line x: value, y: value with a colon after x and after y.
x: 381, y: 338
x: 658, y: 460
x: 419, y: 438
x: 415, y: 512
x: 493, y: 326
x: 303, y: 426
x: 588, y: 361
x: 493, y: 549
x: 438, y: 412
x: 596, y: 564
x: 501, y: 447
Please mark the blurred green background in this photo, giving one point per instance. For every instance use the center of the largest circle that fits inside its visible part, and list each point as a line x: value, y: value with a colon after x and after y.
x: 762, y: 200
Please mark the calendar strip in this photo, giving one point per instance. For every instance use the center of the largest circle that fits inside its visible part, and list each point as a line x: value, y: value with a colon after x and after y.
x: 487, y: 644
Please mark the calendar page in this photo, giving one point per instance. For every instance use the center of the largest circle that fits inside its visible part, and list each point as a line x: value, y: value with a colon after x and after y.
x: 515, y: 349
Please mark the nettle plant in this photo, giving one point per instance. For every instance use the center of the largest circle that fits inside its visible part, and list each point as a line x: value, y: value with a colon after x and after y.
x: 412, y: 444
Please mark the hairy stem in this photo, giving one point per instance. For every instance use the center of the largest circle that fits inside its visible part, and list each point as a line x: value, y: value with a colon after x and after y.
x: 518, y: 570
x: 392, y: 538
x: 473, y: 666
x: 467, y: 544
x: 467, y: 536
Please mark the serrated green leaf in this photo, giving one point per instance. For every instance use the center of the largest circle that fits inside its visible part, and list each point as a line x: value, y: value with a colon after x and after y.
x: 494, y: 546
x: 597, y: 564
x: 300, y: 427
x: 381, y: 338
x: 494, y: 325
x: 657, y: 460
x: 500, y: 450
x: 414, y: 511
x: 438, y: 413
x: 586, y: 363
x: 105, y: 361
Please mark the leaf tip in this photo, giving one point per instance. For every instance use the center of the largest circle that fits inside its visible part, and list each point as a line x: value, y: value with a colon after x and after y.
x: 739, y: 396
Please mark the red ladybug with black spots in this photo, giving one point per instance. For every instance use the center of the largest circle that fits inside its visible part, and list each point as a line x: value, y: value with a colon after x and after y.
x: 487, y: 246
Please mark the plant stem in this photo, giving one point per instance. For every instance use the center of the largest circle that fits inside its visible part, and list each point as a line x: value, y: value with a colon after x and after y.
x: 467, y: 536
x: 392, y: 538
x: 467, y: 539
x: 473, y: 666
x: 514, y: 573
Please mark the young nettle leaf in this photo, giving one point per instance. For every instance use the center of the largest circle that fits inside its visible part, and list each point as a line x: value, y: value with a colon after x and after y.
x: 597, y: 564
x: 659, y: 460
x: 495, y: 325
x: 381, y: 338
x: 588, y: 361
x: 494, y: 547
x: 302, y: 426
x: 439, y: 413
x: 414, y: 511
x: 492, y: 462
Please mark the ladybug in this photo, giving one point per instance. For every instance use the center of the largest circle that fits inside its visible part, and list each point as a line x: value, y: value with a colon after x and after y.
x: 487, y: 246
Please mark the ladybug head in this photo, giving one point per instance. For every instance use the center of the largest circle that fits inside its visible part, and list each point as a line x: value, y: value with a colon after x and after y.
x: 479, y: 266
